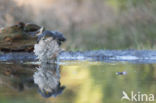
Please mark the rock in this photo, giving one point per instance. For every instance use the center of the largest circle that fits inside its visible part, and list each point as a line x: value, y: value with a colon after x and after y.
x: 19, y: 37
x: 31, y: 27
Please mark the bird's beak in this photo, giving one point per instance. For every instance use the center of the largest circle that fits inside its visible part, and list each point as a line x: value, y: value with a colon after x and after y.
x: 40, y: 31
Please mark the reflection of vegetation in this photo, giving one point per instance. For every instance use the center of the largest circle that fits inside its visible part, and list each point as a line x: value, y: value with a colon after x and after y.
x: 99, y: 83
x: 138, y: 78
x: 146, y: 74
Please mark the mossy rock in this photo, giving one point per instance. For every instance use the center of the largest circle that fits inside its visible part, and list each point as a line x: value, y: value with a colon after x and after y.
x: 19, y: 37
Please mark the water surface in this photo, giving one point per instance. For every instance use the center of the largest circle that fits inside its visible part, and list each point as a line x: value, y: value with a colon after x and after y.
x: 84, y: 82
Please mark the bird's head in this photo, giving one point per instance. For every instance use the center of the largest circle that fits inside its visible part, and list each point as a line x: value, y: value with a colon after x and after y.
x: 54, y: 92
x: 40, y: 31
x: 52, y: 34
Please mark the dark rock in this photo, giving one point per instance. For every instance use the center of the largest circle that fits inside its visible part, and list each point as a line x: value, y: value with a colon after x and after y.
x: 19, y: 37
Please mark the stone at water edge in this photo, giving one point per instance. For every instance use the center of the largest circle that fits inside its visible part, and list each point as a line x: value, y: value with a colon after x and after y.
x: 19, y: 37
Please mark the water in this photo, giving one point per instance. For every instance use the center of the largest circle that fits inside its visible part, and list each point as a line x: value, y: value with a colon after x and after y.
x: 81, y: 81
x: 141, y: 56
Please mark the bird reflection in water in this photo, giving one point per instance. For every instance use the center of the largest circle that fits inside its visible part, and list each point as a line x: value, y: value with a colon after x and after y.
x: 47, y: 77
x: 21, y: 77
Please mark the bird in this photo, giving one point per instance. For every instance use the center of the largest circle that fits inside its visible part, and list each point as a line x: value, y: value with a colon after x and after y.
x: 47, y: 77
x: 53, y: 93
x: 48, y: 46
x: 58, y: 36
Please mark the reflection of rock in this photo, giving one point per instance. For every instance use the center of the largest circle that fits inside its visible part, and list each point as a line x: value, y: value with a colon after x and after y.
x: 17, y: 76
x: 48, y: 80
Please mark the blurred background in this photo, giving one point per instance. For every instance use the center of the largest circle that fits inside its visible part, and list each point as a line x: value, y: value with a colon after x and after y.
x: 89, y: 24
